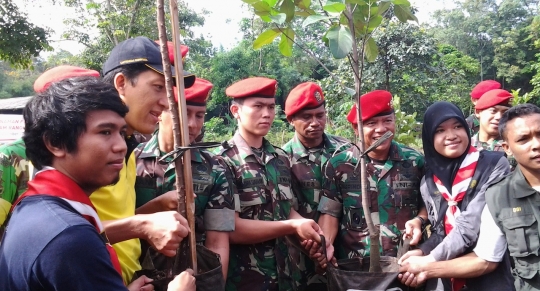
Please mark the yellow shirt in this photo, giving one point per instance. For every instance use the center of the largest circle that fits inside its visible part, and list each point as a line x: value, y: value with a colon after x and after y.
x: 116, y: 202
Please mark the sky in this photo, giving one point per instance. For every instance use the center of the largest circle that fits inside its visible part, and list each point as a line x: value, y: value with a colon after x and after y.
x: 221, y: 25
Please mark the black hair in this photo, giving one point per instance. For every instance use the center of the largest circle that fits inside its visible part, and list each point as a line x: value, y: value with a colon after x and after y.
x: 515, y: 112
x: 58, y: 115
x: 130, y: 71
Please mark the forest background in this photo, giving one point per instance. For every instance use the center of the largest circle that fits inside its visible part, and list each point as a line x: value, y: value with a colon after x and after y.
x: 418, y: 63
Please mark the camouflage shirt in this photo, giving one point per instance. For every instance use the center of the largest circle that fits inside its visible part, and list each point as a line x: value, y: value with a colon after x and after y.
x: 307, y: 181
x: 214, y: 204
x: 473, y: 123
x: 496, y: 146
x: 393, y: 192
x: 264, y: 193
x: 15, y: 170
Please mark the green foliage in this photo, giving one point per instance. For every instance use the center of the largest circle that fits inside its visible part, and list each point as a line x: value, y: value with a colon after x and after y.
x: 408, y: 130
x: 20, y: 40
x: 520, y: 99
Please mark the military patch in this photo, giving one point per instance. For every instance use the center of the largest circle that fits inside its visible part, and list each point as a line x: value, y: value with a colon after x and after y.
x: 401, y: 185
x: 199, y: 188
x: 310, y: 184
x: 318, y: 96
x: 203, y: 179
x: 202, y: 168
x: 284, y: 179
x: 473, y: 184
x: 351, y: 186
x: 406, y: 164
x: 252, y: 182
x: 145, y: 182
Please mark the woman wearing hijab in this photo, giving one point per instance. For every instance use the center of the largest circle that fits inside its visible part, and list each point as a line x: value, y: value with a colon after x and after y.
x: 453, y: 190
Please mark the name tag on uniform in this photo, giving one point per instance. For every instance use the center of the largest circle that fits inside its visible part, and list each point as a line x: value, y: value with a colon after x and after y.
x: 351, y: 186
x: 404, y: 185
x: 252, y: 182
x: 284, y: 180
x: 310, y: 184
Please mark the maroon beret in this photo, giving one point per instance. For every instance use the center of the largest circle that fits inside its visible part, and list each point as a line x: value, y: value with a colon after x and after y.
x: 253, y: 87
x: 61, y: 73
x: 374, y: 103
x: 494, y: 97
x: 197, y: 94
x: 170, y: 47
x: 483, y: 87
x: 307, y: 95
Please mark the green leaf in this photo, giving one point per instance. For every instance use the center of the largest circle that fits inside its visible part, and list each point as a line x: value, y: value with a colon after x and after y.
x: 371, y: 49
x: 261, y: 6
x: 286, y: 44
x: 314, y: 18
x: 401, y: 2
x: 271, y: 3
x: 303, y: 4
x: 287, y: 7
x: 358, y: 2
x: 334, y: 6
x: 340, y: 41
x: 250, y: 1
x: 279, y: 18
x: 374, y: 22
x: 266, y: 38
x: 383, y: 6
x: 403, y: 13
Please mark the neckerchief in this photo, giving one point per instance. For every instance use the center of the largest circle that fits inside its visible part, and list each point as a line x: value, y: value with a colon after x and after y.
x: 459, y: 189
x: 51, y: 182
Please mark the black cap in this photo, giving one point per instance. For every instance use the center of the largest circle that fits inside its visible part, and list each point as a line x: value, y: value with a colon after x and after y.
x: 140, y: 50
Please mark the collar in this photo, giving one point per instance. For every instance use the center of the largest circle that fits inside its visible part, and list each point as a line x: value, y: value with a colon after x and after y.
x: 520, y: 185
x: 245, y: 150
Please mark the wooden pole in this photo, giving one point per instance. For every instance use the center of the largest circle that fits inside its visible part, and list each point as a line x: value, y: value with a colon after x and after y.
x: 188, y: 247
x: 184, y: 134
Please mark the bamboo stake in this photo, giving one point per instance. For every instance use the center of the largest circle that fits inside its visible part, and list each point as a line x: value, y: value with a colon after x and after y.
x: 184, y: 193
x: 184, y: 133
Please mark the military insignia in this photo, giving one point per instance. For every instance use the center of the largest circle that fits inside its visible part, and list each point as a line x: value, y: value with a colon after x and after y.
x: 473, y: 184
x: 279, y: 162
x: 406, y: 164
x: 437, y: 193
x: 202, y: 168
x: 318, y: 96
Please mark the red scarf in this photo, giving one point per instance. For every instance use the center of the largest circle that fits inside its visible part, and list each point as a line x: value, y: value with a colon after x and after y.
x: 51, y: 182
x: 459, y: 189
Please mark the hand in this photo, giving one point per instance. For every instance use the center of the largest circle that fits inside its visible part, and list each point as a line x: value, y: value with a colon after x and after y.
x: 183, y: 282
x: 413, y: 230
x: 315, y: 252
x: 413, y: 273
x: 307, y: 229
x: 417, y: 253
x: 141, y: 284
x: 168, y: 201
x: 165, y: 230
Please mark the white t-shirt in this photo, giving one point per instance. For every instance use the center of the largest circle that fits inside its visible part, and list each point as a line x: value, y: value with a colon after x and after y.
x: 491, y: 244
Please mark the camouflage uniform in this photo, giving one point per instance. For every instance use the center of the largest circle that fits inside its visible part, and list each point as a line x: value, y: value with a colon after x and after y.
x: 394, y: 194
x: 496, y: 146
x: 15, y: 175
x: 214, y: 204
x: 307, y: 181
x: 264, y: 193
x: 473, y: 123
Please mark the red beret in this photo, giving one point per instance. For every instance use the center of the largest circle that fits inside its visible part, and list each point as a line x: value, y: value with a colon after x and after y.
x: 170, y: 47
x: 307, y: 95
x: 494, y: 97
x: 61, y: 73
x: 483, y: 87
x: 374, y: 103
x: 253, y: 87
x: 197, y: 94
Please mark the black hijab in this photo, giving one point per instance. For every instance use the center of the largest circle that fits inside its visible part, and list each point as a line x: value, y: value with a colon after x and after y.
x: 444, y: 168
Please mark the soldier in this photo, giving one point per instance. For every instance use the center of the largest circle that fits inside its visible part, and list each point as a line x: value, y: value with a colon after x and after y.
x: 259, y: 255
x: 13, y: 162
x: 394, y: 174
x: 309, y: 150
x: 214, y: 205
x: 489, y: 109
x: 476, y: 93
